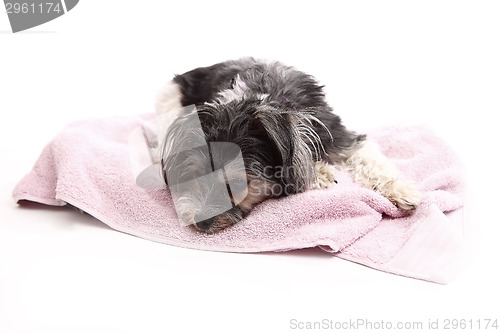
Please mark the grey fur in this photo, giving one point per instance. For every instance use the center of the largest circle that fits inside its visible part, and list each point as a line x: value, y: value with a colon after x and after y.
x: 277, y: 115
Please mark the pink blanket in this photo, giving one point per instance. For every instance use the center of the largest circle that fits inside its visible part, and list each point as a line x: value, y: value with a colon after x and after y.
x: 92, y: 165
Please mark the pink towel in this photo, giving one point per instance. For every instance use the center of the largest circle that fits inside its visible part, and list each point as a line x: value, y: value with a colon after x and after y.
x: 92, y: 165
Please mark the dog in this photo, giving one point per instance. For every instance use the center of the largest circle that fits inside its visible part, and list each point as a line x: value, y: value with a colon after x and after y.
x: 276, y: 119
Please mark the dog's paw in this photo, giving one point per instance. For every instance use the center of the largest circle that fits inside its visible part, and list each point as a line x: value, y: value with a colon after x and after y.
x: 325, y: 175
x: 404, y: 195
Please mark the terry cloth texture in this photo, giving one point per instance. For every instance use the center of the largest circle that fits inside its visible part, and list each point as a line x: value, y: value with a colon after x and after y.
x: 93, y: 165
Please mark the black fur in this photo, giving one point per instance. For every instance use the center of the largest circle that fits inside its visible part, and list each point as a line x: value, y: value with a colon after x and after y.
x: 288, y: 88
x: 271, y: 123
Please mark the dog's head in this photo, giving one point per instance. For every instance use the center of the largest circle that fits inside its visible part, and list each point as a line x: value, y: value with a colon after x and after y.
x: 221, y: 159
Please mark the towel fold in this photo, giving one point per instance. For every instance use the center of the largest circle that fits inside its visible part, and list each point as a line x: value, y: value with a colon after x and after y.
x: 93, y: 165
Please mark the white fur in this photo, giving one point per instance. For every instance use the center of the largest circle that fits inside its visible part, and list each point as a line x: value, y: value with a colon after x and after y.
x: 372, y: 169
x: 168, y: 108
x: 325, y: 175
x: 169, y: 98
x: 235, y: 93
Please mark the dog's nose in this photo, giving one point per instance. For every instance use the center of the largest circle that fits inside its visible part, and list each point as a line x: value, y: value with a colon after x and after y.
x: 205, y: 224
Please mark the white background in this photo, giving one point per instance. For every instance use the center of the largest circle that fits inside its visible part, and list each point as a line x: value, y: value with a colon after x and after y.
x: 383, y: 63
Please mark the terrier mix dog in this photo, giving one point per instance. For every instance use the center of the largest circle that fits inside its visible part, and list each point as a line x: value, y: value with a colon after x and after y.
x: 276, y: 120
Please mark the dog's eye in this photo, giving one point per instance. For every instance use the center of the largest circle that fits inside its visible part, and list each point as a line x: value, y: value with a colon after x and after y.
x: 233, y: 82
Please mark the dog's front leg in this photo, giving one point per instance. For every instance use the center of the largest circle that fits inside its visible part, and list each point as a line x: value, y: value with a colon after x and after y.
x: 325, y: 175
x: 374, y: 170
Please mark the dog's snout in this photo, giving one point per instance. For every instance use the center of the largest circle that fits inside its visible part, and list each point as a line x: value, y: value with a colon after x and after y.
x: 204, y: 225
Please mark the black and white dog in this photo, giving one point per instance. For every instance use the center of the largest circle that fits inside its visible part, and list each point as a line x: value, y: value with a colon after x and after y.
x: 288, y: 137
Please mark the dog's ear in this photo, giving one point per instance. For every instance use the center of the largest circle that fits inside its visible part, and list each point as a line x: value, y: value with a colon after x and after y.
x: 293, y: 136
